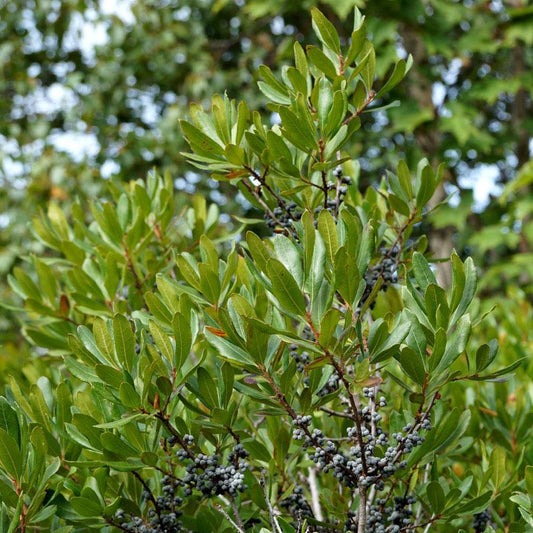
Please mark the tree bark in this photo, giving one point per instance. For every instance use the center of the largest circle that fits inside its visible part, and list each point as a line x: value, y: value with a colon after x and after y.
x: 519, y: 108
x: 429, y: 138
x: 519, y: 114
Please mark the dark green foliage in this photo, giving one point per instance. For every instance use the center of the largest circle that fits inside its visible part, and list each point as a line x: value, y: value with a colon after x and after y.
x: 199, y: 378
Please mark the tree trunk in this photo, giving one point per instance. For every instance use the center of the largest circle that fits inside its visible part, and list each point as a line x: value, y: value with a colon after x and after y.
x: 429, y: 140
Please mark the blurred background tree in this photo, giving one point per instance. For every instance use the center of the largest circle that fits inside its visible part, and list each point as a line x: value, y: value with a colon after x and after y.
x: 94, y: 89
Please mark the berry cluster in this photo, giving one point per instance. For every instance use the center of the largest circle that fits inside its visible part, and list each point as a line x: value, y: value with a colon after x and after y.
x: 334, y: 381
x: 383, y: 518
x: 372, y: 457
x: 301, y: 358
x: 206, y: 473
x: 331, y: 386
x: 365, y: 459
x: 330, y: 206
x: 339, y: 190
x: 283, y: 216
x: 131, y: 523
x: 386, y: 269
x: 162, y: 518
x: 482, y: 521
x: 307, y: 334
x: 345, y: 180
x: 296, y: 504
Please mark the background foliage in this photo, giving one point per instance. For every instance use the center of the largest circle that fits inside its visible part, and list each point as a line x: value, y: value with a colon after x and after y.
x: 465, y: 102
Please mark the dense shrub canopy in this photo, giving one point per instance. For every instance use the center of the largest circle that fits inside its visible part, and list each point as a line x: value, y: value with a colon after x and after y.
x: 319, y: 361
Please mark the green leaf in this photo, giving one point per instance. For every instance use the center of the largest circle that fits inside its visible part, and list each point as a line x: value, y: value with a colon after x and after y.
x: 9, y: 420
x: 347, y: 278
x: 228, y: 376
x: 162, y: 341
x: 7, y: 495
x: 426, y: 184
x: 521, y: 499
x: 129, y: 396
x: 257, y: 250
x: 44, y: 514
x: 328, y: 230
x: 285, y: 288
x: 315, y: 278
x: 497, y: 462
x: 16, y: 515
x: 377, y: 335
x: 298, y: 80
x: 455, y: 424
x: 436, y: 497
x: 405, y: 179
x: 368, y: 72
x: 208, y: 388
x: 123, y: 421
x: 497, y: 376
x: 273, y: 94
x: 118, y: 446
x: 395, y: 338
x: 58, y: 220
x: 334, y: 144
x: 399, y: 205
x: 23, y: 285
x: 324, y: 101
x: 322, y: 62
x: 272, y: 81
x: 297, y: 131
x: 110, y: 375
x: 482, y: 357
x: 456, y: 343
x: 103, y: 339
x: 85, y: 426
x: 188, y: 272
x: 396, y: 77
x: 356, y: 44
x: 182, y: 333
x: 423, y: 273
x: 308, y: 243
x: 436, y: 305
x: 81, y: 371
x: 529, y: 478
x: 325, y: 31
x: 336, y: 114
x: 416, y: 337
x: 300, y: 60
x: 209, y: 283
x: 220, y: 118
x: 366, y: 248
x: 243, y: 116
x: 124, y: 341
x: 466, y: 295
x: 47, y: 280
x: 86, y: 507
x: 413, y: 365
x: 199, y: 141
x: 257, y: 450
x: 439, y: 347
x: 473, y: 506
x: 40, y: 409
x: 229, y: 351
x: 10, y: 456
x: 64, y: 404
x: 328, y: 325
x: 277, y: 147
